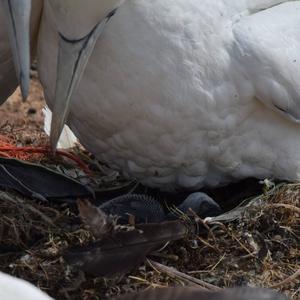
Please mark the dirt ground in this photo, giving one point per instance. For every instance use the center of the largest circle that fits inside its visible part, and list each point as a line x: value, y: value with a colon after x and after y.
x: 260, y: 249
x: 24, y: 120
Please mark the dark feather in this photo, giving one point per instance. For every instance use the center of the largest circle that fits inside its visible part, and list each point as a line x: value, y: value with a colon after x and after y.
x: 187, y: 293
x: 121, y: 251
x: 37, y: 181
x: 99, y: 223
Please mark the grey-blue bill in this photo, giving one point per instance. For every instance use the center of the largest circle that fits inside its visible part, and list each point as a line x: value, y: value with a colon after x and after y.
x: 17, y: 14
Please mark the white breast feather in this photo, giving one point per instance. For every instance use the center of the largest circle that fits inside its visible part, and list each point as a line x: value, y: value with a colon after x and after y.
x: 167, y: 97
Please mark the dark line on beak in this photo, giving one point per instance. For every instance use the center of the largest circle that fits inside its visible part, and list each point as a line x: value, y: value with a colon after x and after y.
x: 86, y: 38
x: 106, y: 19
x: 279, y: 108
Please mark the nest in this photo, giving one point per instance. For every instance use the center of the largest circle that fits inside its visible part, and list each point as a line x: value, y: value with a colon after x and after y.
x: 259, y: 249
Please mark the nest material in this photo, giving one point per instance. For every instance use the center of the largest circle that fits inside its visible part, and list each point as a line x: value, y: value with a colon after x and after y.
x: 261, y: 249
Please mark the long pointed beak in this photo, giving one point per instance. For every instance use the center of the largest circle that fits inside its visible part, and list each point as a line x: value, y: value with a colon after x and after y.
x: 72, y: 59
x: 17, y: 13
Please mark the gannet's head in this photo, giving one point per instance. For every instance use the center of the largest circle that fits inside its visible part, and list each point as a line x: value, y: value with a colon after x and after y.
x: 79, y: 24
x: 201, y: 204
x: 17, y: 14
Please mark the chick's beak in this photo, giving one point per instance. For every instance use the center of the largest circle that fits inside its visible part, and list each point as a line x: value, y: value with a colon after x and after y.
x: 17, y: 14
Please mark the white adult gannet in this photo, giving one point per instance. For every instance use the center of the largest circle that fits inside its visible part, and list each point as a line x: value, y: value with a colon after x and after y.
x: 177, y: 93
x: 17, y: 27
x: 12, y: 288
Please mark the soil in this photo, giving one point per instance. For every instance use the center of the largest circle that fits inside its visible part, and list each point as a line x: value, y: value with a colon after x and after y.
x: 23, y: 121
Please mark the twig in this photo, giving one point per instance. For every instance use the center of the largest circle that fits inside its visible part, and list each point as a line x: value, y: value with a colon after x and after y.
x: 145, y: 281
x: 78, y: 282
x: 166, y: 256
x: 220, y: 260
x: 287, y: 280
x: 27, y: 206
x: 176, y: 274
x: 207, y: 244
x: 134, y: 188
x: 288, y: 206
x: 201, y: 221
x: 240, y: 243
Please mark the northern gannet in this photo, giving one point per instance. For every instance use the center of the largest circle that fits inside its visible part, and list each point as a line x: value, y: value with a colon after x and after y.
x: 12, y: 288
x: 177, y: 94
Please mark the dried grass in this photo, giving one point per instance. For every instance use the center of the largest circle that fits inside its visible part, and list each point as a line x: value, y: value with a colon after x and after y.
x: 261, y: 249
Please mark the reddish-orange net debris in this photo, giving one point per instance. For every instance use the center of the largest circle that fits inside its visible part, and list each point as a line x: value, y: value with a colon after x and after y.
x: 36, y: 153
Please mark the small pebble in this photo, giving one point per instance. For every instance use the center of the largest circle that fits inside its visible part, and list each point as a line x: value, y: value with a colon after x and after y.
x: 31, y: 111
x: 27, y: 139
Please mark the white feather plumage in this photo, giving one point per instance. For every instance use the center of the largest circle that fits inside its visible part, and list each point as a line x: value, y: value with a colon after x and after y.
x: 67, y: 138
x: 179, y: 94
x: 12, y: 288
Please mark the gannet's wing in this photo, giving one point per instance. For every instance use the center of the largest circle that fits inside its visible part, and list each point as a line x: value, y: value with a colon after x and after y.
x: 266, y: 49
